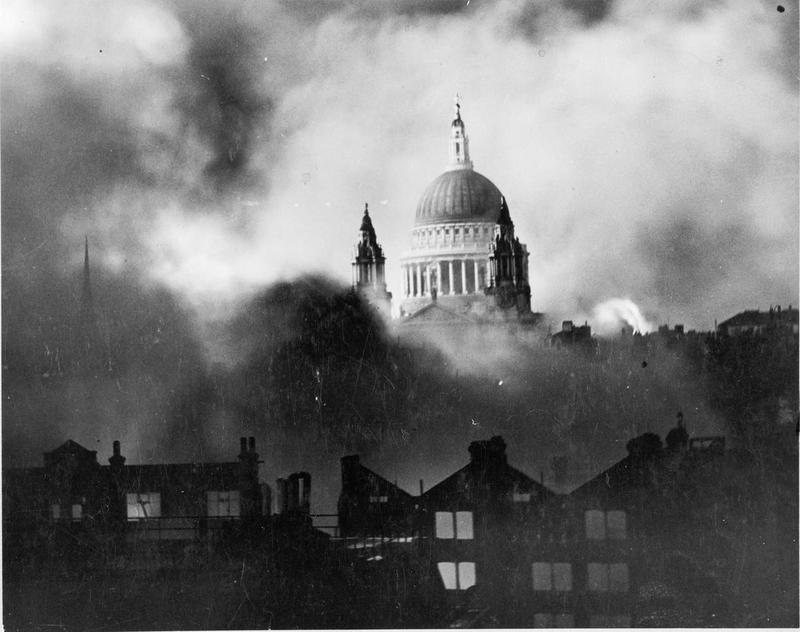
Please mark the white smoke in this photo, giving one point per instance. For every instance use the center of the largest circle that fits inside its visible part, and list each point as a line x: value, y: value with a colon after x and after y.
x: 610, y: 315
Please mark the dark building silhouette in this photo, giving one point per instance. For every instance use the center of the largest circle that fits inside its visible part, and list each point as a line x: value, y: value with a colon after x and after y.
x: 160, y: 501
x: 506, y: 551
x: 369, y: 505
x: 369, y: 276
x: 572, y: 335
x: 776, y: 321
x: 116, y: 508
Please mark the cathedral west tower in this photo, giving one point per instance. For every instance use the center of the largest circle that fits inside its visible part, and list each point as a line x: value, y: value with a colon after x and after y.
x: 369, y: 275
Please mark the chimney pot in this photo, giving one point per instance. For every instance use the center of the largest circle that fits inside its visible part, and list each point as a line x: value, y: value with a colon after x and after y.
x: 116, y: 448
x: 252, y: 444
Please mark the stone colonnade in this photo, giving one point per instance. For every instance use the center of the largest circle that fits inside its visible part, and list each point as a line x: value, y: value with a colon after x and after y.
x: 450, y: 276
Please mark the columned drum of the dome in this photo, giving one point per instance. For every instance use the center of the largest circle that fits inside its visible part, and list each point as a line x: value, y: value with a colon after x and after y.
x: 453, y: 236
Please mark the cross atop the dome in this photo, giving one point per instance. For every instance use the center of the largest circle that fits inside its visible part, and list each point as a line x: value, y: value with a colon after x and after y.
x: 458, y: 105
x: 366, y: 208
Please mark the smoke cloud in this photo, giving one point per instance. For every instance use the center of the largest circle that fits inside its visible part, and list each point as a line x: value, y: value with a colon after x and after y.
x: 609, y: 315
x: 212, y: 150
x: 647, y: 153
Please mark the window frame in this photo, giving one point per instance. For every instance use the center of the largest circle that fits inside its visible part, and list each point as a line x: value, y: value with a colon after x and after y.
x: 230, y: 496
x: 609, y: 532
x: 459, y: 570
x: 139, y: 504
x: 552, y: 577
x: 460, y: 524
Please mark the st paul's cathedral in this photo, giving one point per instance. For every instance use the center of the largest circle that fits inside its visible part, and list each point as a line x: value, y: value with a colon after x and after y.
x: 465, y: 264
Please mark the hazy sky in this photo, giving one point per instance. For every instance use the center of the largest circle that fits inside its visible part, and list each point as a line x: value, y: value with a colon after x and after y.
x: 648, y: 150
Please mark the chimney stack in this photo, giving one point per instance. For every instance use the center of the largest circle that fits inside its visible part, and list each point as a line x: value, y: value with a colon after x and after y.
x: 488, y: 453
x: 117, y: 460
x: 281, y: 496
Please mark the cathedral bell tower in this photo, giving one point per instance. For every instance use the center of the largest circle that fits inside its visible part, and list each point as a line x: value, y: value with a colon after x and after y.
x: 369, y: 277
x: 508, y: 262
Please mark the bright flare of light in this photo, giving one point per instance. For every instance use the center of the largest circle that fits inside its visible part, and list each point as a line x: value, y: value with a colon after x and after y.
x: 610, y: 314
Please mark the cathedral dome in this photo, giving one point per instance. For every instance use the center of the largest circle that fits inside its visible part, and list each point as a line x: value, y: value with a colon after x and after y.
x: 459, y: 195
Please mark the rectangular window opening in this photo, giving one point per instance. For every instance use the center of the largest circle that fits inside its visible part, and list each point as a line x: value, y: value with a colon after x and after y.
x: 595, y: 524
x: 444, y: 525
x: 223, y: 504
x: 466, y: 575
x: 144, y: 505
x: 464, y: 525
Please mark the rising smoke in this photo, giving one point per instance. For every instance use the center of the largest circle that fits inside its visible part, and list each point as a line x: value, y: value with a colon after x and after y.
x: 610, y: 315
x: 212, y: 150
x: 646, y: 154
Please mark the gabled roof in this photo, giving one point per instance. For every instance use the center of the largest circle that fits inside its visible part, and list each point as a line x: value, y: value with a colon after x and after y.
x: 435, y: 312
x: 222, y: 476
x: 70, y: 447
x: 640, y: 470
x: 754, y: 317
x: 380, y: 483
x: 456, y: 485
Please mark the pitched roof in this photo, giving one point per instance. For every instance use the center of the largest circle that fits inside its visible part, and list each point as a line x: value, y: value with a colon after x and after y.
x: 455, y: 485
x: 754, y: 317
x: 435, y: 312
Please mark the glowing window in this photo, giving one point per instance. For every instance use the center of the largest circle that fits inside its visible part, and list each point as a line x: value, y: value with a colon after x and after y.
x: 379, y: 499
x: 145, y: 505
x: 521, y: 498
x: 448, y: 572
x: 444, y: 525
x: 55, y: 511
x: 466, y: 575
x: 77, y: 512
x: 457, y: 576
x: 223, y: 504
x: 464, y: 525
x: 458, y: 525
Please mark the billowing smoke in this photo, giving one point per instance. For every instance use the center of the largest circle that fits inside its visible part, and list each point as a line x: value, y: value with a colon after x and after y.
x: 210, y: 150
x: 610, y: 315
x: 215, y: 149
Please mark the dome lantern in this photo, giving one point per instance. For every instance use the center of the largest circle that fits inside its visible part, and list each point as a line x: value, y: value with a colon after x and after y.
x: 459, y: 143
